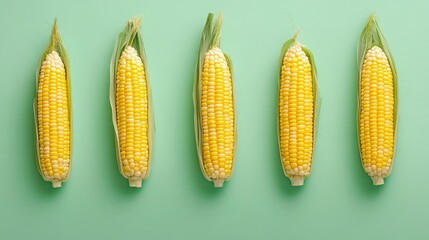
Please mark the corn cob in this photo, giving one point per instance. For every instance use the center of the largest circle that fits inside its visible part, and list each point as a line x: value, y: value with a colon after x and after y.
x: 296, y: 113
x: 52, y: 109
x: 214, y: 107
x: 377, y: 103
x: 130, y: 102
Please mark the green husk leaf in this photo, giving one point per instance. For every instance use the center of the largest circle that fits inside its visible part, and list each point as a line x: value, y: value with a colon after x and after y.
x: 372, y: 36
x: 316, y: 97
x: 131, y: 36
x: 204, y: 47
x: 55, y: 44
x: 216, y: 32
x: 210, y: 38
x: 231, y: 69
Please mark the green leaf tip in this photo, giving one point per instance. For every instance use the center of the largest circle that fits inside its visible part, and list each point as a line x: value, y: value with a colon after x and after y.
x: 134, y: 24
x: 210, y: 38
x: 289, y: 43
x: 131, y: 30
x: 296, y: 35
x: 55, y: 37
x: 216, y: 32
x: 211, y: 34
x: 372, y: 36
x: 371, y: 29
x: 55, y: 28
x: 56, y: 44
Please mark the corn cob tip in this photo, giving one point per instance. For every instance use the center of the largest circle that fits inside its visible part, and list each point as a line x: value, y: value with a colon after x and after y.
x: 218, y: 183
x: 137, y: 183
x: 56, y: 184
x: 297, y: 181
x: 377, y: 181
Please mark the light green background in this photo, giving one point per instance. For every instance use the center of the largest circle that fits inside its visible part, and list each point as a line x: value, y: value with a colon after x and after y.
x: 338, y: 201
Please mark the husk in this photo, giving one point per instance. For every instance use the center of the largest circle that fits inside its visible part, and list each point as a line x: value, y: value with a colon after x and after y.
x: 131, y: 36
x: 298, y: 180
x: 210, y: 38
x: 56, y: 44
x: 372, y: 36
